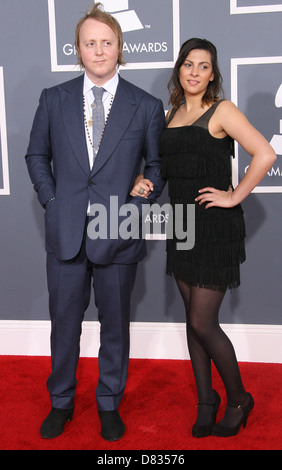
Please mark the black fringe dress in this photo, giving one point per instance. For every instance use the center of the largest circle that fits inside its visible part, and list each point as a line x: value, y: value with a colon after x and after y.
x: 194, y: 159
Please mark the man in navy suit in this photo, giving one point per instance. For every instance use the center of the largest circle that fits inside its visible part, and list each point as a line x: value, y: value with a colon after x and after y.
x: 71, y: 177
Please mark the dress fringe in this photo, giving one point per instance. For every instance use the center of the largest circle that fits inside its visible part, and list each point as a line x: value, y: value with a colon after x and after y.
x: 207, y: 277
x: 193, y: 160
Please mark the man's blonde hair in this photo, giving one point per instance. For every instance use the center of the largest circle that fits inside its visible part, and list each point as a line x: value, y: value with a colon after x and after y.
x: 98, y: 13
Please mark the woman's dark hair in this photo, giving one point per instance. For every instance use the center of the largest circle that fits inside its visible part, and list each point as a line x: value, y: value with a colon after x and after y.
x: 214, y: 89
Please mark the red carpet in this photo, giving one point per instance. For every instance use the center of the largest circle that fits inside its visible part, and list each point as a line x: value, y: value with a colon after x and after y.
x: 158, y: 408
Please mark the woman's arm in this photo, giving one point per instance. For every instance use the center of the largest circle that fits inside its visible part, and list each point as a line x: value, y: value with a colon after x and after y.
x: 236, y: 125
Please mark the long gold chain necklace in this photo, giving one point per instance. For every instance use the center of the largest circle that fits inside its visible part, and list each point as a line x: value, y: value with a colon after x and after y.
x: 89, y: 123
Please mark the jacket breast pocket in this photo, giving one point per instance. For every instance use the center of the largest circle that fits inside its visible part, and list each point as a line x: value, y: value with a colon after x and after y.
x: 137, y: 134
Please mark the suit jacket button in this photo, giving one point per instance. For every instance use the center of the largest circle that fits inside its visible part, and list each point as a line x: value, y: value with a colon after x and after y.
x: 90, y: 183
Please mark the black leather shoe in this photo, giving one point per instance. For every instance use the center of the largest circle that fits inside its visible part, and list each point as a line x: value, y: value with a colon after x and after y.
x: 53, y: 425
x: 112, y: 426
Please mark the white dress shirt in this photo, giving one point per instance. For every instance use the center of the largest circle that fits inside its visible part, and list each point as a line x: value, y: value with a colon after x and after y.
x: 110, y: 88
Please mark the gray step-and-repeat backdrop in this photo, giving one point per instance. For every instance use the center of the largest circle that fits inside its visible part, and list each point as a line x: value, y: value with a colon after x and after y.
x: 37, y: 51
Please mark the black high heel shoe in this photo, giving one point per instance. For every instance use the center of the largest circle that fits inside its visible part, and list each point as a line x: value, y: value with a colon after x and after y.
x: 225, y: 431
x: 206, y: 430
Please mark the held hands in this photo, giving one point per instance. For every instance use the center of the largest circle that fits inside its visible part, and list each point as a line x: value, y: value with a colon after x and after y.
x: 213, y: 197
x: 142, y: 187
x: 216, y: 198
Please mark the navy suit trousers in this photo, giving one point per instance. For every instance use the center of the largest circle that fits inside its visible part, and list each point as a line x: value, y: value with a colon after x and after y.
x: 69, y: 285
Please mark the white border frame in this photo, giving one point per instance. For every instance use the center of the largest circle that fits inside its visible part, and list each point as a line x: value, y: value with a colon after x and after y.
x: 235, y: 10
x: 55, y: 67
x: 5, y: 191
x: 235, y: 63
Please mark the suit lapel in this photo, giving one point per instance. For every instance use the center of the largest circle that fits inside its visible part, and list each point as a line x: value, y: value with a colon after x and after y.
x: 123, y: 109
x: 72, y: 108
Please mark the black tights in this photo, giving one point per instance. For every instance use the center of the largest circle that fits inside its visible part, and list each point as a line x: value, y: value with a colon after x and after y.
x: 207, y: 342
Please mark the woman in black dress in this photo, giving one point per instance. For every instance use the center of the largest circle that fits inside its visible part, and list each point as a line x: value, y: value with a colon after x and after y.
x: 196, y: 148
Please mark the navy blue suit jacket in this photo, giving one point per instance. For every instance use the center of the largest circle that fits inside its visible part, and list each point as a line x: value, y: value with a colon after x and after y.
x: 58, y: 165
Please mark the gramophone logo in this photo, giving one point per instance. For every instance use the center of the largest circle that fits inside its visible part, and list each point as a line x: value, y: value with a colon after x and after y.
x: 150, y: 32
x: 276, y: 140
x: 127, y: 18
